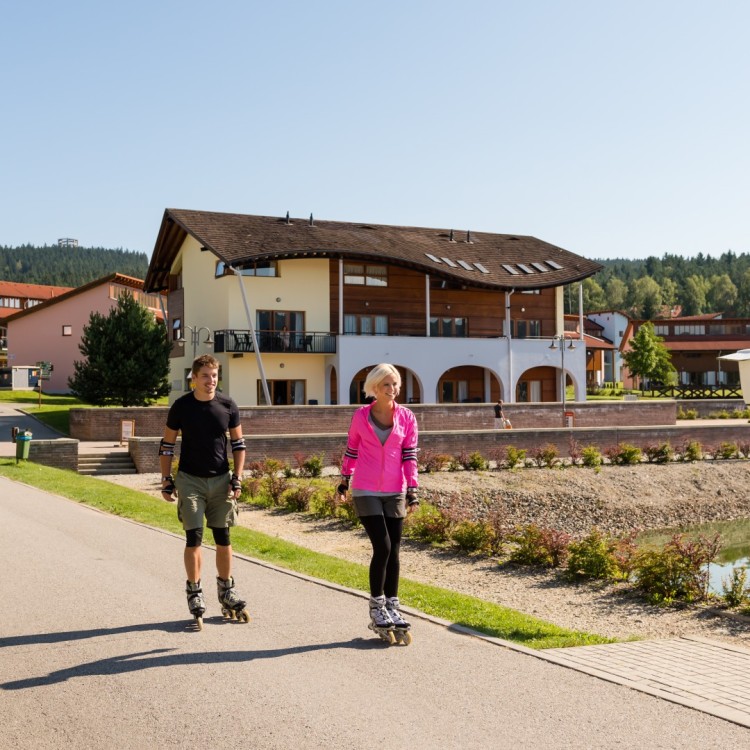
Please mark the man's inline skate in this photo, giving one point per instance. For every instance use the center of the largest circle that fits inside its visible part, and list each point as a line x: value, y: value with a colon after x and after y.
x: 401, y: 627
x: 232, y: 606
x: 380, y: 620
x: 196, y: 602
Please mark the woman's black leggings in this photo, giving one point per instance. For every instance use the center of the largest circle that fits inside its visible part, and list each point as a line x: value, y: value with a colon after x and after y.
x: 385, y: 535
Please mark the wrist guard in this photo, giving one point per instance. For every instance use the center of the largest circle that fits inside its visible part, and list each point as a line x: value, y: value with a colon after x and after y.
x: 169, y: 486
x: 235, y: 483
x: 411, y: 496
x: 343, y: 487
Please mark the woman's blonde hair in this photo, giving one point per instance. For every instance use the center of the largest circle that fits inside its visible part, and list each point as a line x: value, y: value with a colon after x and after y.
x: 377, y: 375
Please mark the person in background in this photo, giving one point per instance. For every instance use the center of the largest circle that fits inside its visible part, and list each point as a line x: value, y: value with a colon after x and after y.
x: 501, y: 421
x: 380, y: 468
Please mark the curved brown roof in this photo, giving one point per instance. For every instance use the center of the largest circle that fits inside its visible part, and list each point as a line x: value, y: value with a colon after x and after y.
x: 494, y: 261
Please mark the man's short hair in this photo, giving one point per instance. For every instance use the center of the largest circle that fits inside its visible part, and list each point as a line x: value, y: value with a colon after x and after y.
x: 205, y: 360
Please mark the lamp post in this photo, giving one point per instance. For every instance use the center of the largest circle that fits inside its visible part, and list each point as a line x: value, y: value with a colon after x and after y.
x: 561, y: 339
x: 195, y: 334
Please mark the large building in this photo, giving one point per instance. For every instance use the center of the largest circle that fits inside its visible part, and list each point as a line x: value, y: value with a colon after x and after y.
x: 298, y: 310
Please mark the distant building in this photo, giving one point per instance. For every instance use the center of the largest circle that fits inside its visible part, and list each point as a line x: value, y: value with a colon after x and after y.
x: 67, y: 242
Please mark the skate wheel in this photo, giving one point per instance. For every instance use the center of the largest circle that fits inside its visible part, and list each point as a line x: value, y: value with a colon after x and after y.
x: 243, y: 616
x: 199, y: 623
x: 405, y: 638
x: 389, y: 637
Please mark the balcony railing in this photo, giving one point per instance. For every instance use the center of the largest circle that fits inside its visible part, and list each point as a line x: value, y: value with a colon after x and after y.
x: 295, y: 342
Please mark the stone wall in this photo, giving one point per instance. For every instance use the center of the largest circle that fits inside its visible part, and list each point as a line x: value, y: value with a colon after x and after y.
x: 490, y: 443
x: 61, y: 453
x: 104, y: 424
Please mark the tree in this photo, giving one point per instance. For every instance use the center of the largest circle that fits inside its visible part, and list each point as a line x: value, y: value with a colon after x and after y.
x: 648, y: 358
x: 647, y: 299
x: 593, y: 296
x: 617, y: 293
x: 694, y: 299
x: 126, y: 357
x: 722, y: 293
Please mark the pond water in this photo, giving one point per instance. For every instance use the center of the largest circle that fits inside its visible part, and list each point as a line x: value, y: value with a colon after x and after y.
x: 735, y: 550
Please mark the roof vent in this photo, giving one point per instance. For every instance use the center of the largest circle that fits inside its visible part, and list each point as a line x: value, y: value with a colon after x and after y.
x: 287, y: 218
x: 312, y: 223
x: 450, y: 239
x: 468, y: 235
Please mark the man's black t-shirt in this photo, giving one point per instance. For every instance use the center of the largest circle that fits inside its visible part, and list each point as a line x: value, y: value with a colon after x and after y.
x: 204, y: 426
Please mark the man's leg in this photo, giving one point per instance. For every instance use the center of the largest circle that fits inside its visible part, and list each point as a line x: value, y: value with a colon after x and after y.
x: 224, y: 560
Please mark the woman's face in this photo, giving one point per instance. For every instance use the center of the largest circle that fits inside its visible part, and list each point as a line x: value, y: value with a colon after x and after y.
x: 388, y: 388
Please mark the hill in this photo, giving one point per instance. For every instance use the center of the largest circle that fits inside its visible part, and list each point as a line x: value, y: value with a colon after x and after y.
x: 68, y: 266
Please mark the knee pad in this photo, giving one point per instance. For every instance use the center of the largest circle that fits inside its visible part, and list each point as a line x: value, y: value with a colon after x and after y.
x: 194, y: 537
x: 221, y: 536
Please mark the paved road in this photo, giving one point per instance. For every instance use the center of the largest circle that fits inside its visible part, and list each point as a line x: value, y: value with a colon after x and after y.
x: 11, y: 417
x: 94, y: 652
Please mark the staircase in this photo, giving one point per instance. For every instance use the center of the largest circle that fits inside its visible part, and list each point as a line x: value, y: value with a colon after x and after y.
x: 117, y: 462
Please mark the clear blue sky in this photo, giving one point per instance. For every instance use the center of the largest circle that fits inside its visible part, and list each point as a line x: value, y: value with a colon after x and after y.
x: 613, y: 129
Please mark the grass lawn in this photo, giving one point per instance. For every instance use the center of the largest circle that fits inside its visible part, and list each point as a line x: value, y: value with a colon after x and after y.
x: 468, y: 611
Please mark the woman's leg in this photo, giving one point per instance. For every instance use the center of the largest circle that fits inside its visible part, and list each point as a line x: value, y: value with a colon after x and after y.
x: 376, y: 529
x: 394, y: 527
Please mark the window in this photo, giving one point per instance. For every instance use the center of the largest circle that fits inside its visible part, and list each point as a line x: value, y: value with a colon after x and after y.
x: 67, y: 330
x: 280, y: 330
x: 282, y: 392
x: 366, y: 325
x: 449, y: 327
x: 454, y: 391
x: 364, y: 274
x: 268, y: 268
x: 176, y: 329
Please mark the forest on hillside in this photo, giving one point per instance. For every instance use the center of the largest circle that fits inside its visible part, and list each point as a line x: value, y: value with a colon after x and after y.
x: 654, y: 287
x: 68, y: 266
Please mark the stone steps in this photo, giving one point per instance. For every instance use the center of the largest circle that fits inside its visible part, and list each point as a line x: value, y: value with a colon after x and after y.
x: 105, y: 463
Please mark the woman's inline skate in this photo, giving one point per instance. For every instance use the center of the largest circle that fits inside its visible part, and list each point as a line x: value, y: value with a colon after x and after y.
x: 401, y: 627
x: 380, y: 620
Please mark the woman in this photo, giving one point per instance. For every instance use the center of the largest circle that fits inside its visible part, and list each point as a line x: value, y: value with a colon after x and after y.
x: 381, y: 456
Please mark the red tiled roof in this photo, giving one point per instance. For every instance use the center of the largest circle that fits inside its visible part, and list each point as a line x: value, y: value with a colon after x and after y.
x: 31, y: 291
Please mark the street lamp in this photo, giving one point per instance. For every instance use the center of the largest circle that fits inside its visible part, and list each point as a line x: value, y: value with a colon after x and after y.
x: 561, y: 339
x: 195, y: 334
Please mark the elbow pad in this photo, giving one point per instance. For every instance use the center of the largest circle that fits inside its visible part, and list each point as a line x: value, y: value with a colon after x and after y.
x: 238, y: 444
x: 165, y: 448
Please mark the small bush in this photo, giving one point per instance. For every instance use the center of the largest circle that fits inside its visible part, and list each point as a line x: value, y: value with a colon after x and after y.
x: 297, y: 497
x: 323, y: 503
x: 659, y: 454
x: 591, y: 457
x: 600, y: 556
x: 431, y: 461
x: 515, y: 456
x: 744, y: 448
x: 427, y: 524
x: 678, y: 571
x: 692, y: 451
x: 629, y: 455
x: 477, y: 462
x: 734, y: 588
x: 574, y: 451
x: 276, y: 486
x: 686, y: 414
x: 473, y: 536
x: 726, y: 450
x: 312, y: 466
x: 253, y: 492
x: 546, y: 456
x: 539, y: 546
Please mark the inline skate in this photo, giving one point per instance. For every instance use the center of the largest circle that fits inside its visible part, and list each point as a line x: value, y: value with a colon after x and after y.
x: 401, y: 627
x: 380, y: 620
x: 196, y: 602
x: 233, y: 607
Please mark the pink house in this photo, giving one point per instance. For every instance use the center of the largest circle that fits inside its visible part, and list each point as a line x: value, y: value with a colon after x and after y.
x: 51, y: 331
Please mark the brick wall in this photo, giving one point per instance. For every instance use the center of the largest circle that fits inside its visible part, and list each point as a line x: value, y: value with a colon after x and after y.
x: 62, y: 453
x: 144, y: 451
x: 104, y: 424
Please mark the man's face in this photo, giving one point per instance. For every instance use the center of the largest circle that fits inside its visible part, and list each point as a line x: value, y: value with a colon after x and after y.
x: 205, y: 380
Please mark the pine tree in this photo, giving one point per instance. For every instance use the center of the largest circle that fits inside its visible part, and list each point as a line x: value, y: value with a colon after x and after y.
x: 126, y: 357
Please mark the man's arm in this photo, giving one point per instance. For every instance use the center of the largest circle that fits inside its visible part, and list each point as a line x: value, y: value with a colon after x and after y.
x: 166, y: 455
x: 238, y: 456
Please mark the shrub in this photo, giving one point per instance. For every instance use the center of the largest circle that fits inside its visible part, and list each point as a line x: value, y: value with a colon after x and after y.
x: 276, y: 486
x: 297, y: 497
x: 473, y: 536
x: 679, y: 571
x: 744, y: 448
x: 726, y: 451
x: 430, y: 461
x: 574, y: 451
x: 515, y: 456
x: 686, y: 414
x: 546, y: 455
x: 454, y: 464
x: 600, y: 556
x: 477, y: 462
x: 427, y: 524
x: 312, y: 466
x: 734, y: 588
x: 323, y: 503
x: 692, y: 451
x: 659, y: 454
x: 591, y: 457
x: 539, y: 546
x: 629, y: 454
x: 254, y: 493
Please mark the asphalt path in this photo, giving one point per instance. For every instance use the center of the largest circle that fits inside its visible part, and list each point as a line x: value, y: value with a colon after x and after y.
x: 95, y: 652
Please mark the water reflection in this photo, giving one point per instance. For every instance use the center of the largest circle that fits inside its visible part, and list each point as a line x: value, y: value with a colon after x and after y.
x: 734, y: 553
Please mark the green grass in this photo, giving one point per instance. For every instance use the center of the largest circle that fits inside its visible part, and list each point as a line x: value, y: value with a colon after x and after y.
x: 460, y: 609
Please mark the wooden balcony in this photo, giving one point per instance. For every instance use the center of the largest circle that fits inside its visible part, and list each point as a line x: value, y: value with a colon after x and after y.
x: 236, y: 341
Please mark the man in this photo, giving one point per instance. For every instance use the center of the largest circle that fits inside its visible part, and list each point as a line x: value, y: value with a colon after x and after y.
x: 501, y: 421
x: 204, y: 485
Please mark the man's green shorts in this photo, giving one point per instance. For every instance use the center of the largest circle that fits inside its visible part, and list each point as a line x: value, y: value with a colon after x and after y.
x: 205, y: 497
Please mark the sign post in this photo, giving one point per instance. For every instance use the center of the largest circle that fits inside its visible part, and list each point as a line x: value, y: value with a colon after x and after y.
x: 45, y: 368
